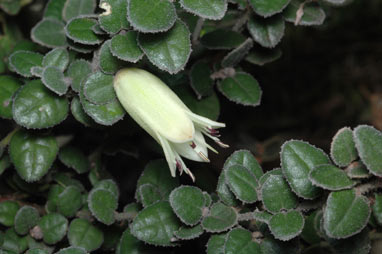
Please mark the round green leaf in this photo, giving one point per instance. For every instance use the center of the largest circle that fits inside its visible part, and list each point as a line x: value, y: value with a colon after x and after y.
x: 246, y: 159
x: 222, y: 39
x: 268, y: 8
x: 148, y: 194
x: 74, y: 8
x: 224, y: 193
x: 342, y: 149
x: 79, y: 113
x: 330, y: 177
x: 242, y: 183
x: 80, y: 30
x: 186, y: 233
x: 74, y: 158
x: 8, y: 210
x: 32, y: 155
x: 109, y: 63
x: 156, y: 224
x: 78, y: 71
x: 54, y: 79
x: 26, y: 218
x: 125, y: 47
x: 72, y: 250
x: 286, y: 225
x: 58, y: 57
x: 13, y: 243
x: 239, y: 241
x: 109, y: 185
x: 168, y: 51
x: 69, y: 201
x: 220, y: 218
x: 368, y: 141
x: 313, y: 14
x: 103, y: 203
x: 209, y: 9
x: 22, y: 62
x: 216, y: 243
x: 267, y: 32
x: 357, y: 170
x: 53, y: 227
x: 151, y: 16
x: 83, y: 234
x: 98, y: 88
x: 241, y: 88
x: 276, y: 194
x: 201, y: 82
x: 8, y: 87
x: 298, y: 158
x: 50, y: 33
x: 113, y: 19
x: 188, y: 203
x: 346, y: 214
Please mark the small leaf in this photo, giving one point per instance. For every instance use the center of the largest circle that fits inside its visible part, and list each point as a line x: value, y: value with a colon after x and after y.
x: 72, y: 250
x: 83, y: 234
x: 216, y: 243
x: 58, y: 58
x: 78, y: 71
x: 201, y: 82
x: 242, y: 183
x: 125, y: 47
x: 148, y: 194
x: 241, y: 88
x: 151, y: 16
x: 109, y: 64
x: 49, y: 32
x: 32, y: 155
x: 98, y: 88
x: 80, y: 30
x: 268, y: 8
x: 208, y: 9
x: 224, y: 192
x: 261, y: 56
x: 69, y: 201
x: 74, y: 8
x: 368, y: 141
x: 185, y: 233
x: 54, y: 80
x: 13, y: 243
x: 286, y: 225
x: 239, y: 240
x: 74, y: 158
x: 330, y: 177
x: 346, y: 214
x: 26, y: 218
x: 220, y: 218
x: 114, y: 17
x: 222, y: 39
x: 34, y: 106
x: 188, y: 203
x: 377, y: 208
x: 276, y: 195
x: 103, y: 203
x: 130, y: 245
x: 53, y: 227
x: 357, y: 170
x: 266, y: 32
x: 22, y: 62
x: 108, y: 184
x: 156, y: 224
x: 298, y: 158
x: 234, y: 57
x: 262, y: 216
x: 313, y: 14
x: 79, y: 113
x: 168, y: 51
x: 342, y: 149
x: 8, y: 87
x: 246, y: 159
x: 8, y: 211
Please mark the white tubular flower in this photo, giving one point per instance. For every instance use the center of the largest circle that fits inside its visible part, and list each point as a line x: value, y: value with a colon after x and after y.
x: 158, y: 110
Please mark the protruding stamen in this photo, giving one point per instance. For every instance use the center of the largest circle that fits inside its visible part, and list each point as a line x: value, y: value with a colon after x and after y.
x: 203, y: 156
x: 221, y: 144
x: 179, y: 167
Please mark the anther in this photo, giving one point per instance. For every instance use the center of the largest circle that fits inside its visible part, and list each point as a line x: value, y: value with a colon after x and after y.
x: 203, y: 156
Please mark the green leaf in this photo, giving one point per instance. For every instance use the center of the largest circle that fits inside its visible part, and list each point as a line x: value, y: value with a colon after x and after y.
x: 54, y: 8
x: 268, y: 8
x: 330, y: 177
x: 261, y: 56
x: 81, y: 48
x: 103, y: 203
x: 4, y: 163
x: 298, y: 158
x: 224, y: 193
x: 13, y: 243
x: 108, y: 184
x: 58, y: 58
x: 8, y: 210
x: 26, y: 218
x: 342, y: 149
x: 32, y: 155
x: 222, y: 39
x: 83, y: 234
x: 208, y: 9
x: 357, y: 244
x: 125, y: 47
x: 368, y: 142
x: 266, y: 32
x: 234, y: 57
x: 79, y: 113
x: 148, y: 194
x: 242, y: 89
x: 80, y: 30
x: 109, y: 64
x: 72, y: 250
x: 309, y: 232
x: 186, y: 233
x: 49, y: 32
x: 69, y: 201
x: 98, y: 88
x: 156, y: 224
x: 130, y: 245
x: 262, y: 216
x: 242, y: 183
x: 220, y: 218
x: 151, y: 16
x: 34, y: 106
x: 200, y: 79
x: 276, y: 194
x: 357, y: 170
x: 239, y: 241
x: 246, y: 159
x: 74, y: 158
x: 269, y: 245
x: 188, y: 203
x: 346, y: 214
x: 11, y: 7
x: 313, y: 14
x: 168, y: 51
x: 275, y: 171
x: 22, y: 61
x: 53, y: 227
x: 113, y: 19
x: 54, y: 80
x: 8, y: 87
x: 286, y: 225
x: 66, y: 180
x: 216, y: 243
x: 377, y: 208
x: 37, y: 251
x: 74, y: 8
x: 78, y: 71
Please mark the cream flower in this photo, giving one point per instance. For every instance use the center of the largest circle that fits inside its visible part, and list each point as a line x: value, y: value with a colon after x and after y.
x: 158, y: 110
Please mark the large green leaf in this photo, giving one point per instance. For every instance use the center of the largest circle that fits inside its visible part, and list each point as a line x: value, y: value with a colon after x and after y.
x: 50, y: 33
x: 98, y: 88
x: 220, y: 218
x: 342, y: 149
x: 286, y: 225
x: 80, y: 30
x: 266, y: 32
x: 242, y: 183
x: 83, y: 234
x: 53, y: 227
x: 125, y: 47
x: 103, y: 203
x: 26, y: 218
